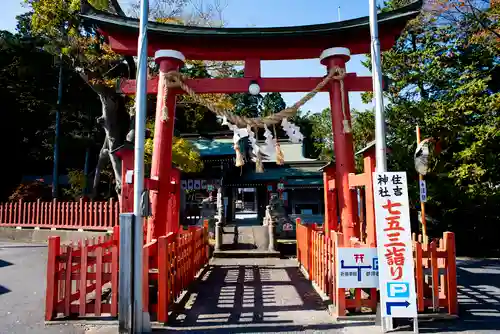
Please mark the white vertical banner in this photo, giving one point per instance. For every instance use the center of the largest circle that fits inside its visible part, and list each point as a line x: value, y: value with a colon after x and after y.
x: 197, y: 184
x: 203, y: 184
x: 394, y: 245
x: 190, y: 184
x: 184, y: 184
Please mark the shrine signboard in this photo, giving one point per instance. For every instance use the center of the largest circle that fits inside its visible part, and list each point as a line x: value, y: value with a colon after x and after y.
x: 394, y: 245
x: 357, y: 267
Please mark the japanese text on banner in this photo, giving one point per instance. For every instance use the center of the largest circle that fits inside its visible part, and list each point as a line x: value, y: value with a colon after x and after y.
x: 396, y: 273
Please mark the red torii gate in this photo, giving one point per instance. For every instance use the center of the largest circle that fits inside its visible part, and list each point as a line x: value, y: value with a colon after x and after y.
x: 171, y: 44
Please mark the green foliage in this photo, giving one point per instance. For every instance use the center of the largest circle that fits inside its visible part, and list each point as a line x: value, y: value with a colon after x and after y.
x: 184, y: 154
x: 272, y: 103
x: 77, y: 182
x: 321, y: 135
x: 445, y: 79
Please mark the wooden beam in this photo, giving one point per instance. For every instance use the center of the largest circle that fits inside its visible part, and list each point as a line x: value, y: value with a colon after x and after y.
x: 352, y: 83
x: 358, y: 180
x: 150, y: 184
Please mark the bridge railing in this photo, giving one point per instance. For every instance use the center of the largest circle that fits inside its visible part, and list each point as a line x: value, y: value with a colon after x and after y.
x: 435, y: 271
x: 82, y: 279
x: 87, y: 215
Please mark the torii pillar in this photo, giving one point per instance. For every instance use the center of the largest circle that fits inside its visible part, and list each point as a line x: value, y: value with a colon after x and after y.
x: 161, y: 165
x: 342, y: 143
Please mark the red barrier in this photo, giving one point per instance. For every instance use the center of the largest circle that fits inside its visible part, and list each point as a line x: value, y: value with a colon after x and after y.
x: 80, y: 278
x: 63, y: 215
x: 435, y: 271
x: 171, y: 263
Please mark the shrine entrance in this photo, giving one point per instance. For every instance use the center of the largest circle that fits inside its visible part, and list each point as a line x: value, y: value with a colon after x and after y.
x: 245, y: 291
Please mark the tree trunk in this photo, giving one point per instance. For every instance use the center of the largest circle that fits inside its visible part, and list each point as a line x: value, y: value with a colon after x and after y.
x: 114, y: 121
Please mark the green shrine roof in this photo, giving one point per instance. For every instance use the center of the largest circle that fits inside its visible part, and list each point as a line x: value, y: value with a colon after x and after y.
x: 288, y: 174
x: 209, y: 148
x: 224, y: 147
x: 305, y: 182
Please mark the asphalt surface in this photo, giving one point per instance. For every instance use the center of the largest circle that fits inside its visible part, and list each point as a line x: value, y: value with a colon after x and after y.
x: 22, y: 291
x: 248, y: 296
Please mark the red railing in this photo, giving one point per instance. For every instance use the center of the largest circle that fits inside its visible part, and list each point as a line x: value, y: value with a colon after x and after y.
x: 435, y: 271
x: 81, y: 277
x: 64, y: 215
x: 171, y: 263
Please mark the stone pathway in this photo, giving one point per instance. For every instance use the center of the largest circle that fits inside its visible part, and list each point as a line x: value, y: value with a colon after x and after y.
x: 252, y: 295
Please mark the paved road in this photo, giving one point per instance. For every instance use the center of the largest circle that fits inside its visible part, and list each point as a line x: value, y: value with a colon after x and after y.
x: 478, y: 297
x: 253, y: 296
x: 22, y: 290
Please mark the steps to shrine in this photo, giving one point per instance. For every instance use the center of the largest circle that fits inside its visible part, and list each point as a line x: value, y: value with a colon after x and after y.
x: 245, y: 241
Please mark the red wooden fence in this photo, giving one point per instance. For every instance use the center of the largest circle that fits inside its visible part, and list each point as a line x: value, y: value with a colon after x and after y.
x: 63, y: 215
x: 435, y: 271
x: 170, y: 265
x: 77, y: 274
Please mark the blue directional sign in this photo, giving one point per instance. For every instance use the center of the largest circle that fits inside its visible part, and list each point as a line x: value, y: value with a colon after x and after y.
x: 357, y: 267
x: 390, y: 305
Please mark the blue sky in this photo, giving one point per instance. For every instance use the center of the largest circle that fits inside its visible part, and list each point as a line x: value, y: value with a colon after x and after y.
x: 266, y: 13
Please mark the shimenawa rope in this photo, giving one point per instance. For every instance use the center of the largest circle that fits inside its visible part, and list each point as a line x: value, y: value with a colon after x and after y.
x: 175, y: 79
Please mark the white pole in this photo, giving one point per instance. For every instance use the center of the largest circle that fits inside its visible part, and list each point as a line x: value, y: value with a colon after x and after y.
x: 338, y: 13
x: 140, y: 133
x: 380, y: 146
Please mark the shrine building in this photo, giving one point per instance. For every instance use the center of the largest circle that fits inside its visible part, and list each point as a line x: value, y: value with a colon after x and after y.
x: 298, y: 182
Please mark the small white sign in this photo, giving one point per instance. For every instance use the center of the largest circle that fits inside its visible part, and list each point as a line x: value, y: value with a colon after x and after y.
x: 287, y: 227
x: 394, y: 245
x: 184, y: 184
x: 190, y: 184
x: 129, y: 176
x: 203, y: 184
x: 197, y: 184
x: 423, y: 191
x: 357, y: 268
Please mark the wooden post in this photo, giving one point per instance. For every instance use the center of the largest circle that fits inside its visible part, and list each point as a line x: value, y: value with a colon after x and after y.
x: 340, y: 292
x: 206, y: 241
x: 52, y: 291
x: 343, y: 145
x: 192, y: 246
x: 145, y: 276
x: 309, y: 248
x: 83, y: 278
x: 298, y: 240
x: 19, y: 212
x: 115, y: 270
x: 422, y: 204
x: 451, y: 265
x: 163, y: 272
x: 419, y: 273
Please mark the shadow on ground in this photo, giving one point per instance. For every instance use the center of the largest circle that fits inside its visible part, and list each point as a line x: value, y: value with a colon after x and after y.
x: 4, y: 263
x: 249, y: 297
x: 478, y: 298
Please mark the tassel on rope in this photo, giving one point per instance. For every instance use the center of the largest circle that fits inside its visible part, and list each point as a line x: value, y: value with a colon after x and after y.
x: 259, y: 166
x: 239, y: 156
x: 280, y: 158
